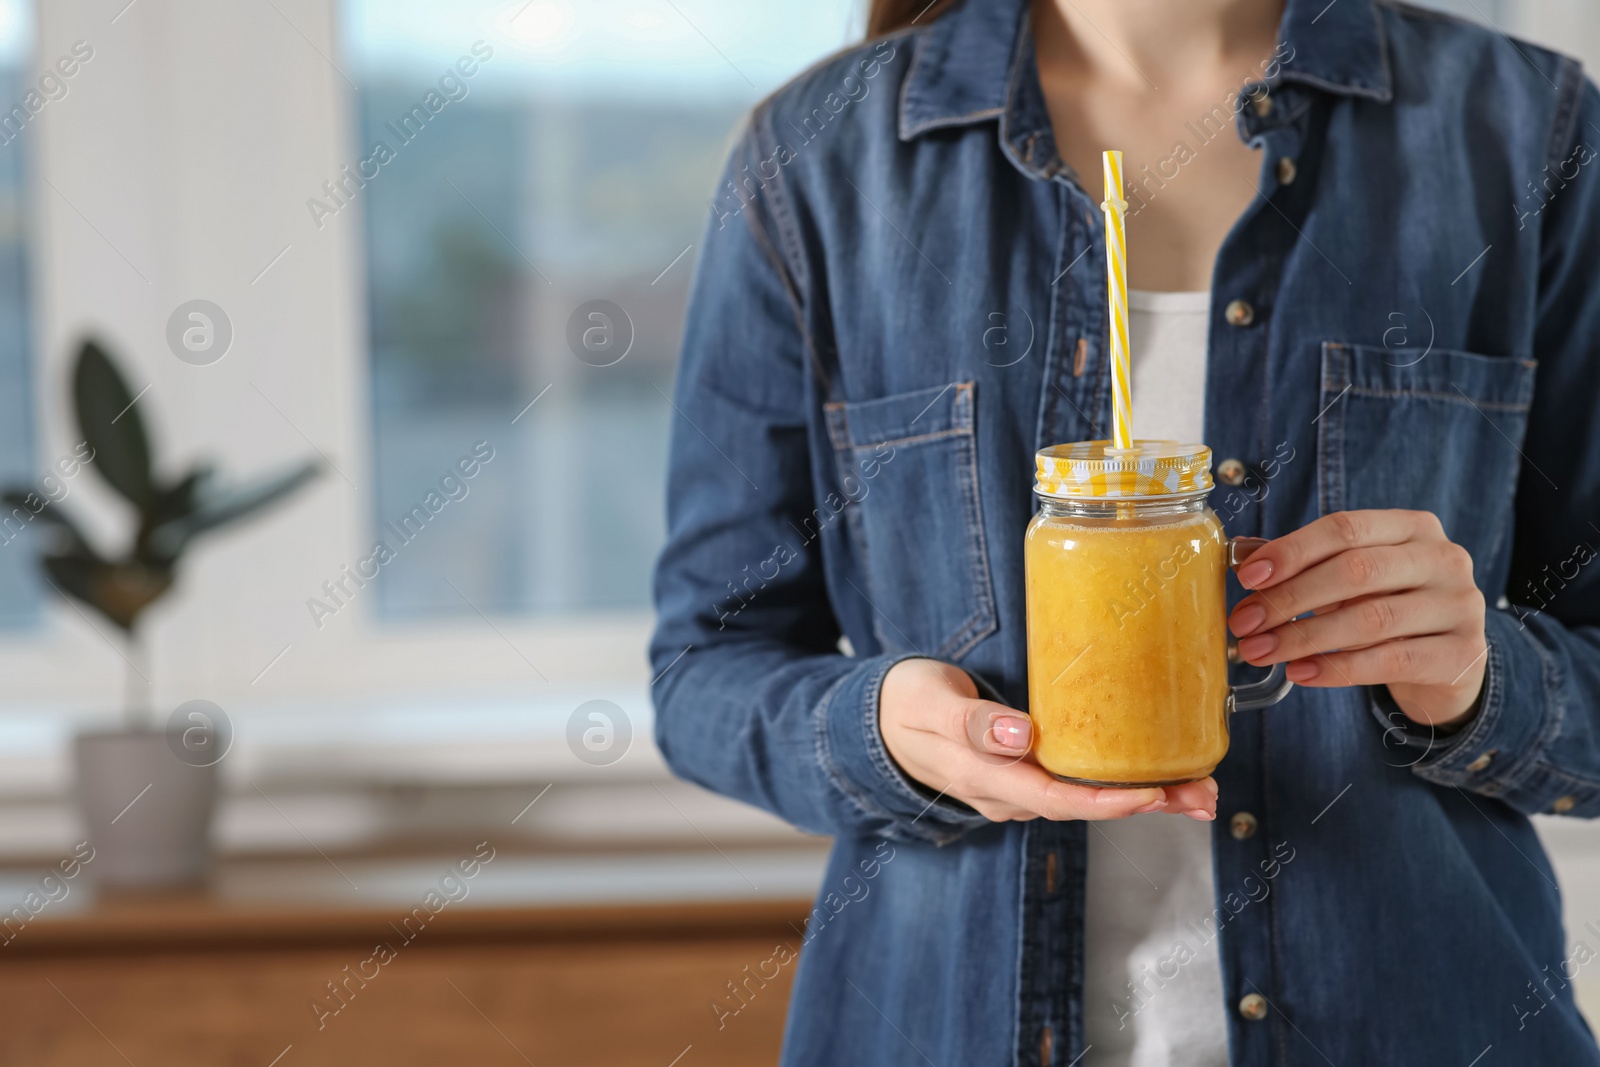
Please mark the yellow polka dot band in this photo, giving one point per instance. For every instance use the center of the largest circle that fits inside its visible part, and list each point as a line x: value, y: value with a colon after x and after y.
x: 1095, y: 470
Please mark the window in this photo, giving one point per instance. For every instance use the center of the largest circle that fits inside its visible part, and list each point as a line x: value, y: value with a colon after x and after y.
x: 19, y: 586
x: 565, y: 157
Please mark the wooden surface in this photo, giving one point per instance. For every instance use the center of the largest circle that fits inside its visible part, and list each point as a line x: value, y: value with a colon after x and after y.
x: 228, y: 978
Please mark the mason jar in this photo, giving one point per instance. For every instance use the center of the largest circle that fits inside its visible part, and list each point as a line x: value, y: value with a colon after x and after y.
x: 1128, y: 647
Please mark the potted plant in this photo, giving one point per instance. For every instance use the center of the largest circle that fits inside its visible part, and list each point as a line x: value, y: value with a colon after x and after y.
x: 146, y: 803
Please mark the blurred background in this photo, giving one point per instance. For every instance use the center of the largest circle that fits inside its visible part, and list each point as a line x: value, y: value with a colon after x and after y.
x: 485, y: 693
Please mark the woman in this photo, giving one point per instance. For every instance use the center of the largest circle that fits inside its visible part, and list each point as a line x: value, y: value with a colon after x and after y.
x: 1358, y: 227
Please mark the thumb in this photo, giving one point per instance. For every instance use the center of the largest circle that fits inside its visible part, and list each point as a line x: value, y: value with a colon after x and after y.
x: 998, y: 730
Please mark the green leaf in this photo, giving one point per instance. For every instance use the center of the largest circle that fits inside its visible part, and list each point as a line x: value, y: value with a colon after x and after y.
x: 74, y: 575
x: 119, y: 591
x: 179, y: 499
x: 18, y: 498
x: 51, y: 513
x: 216, y: 506
x: 110, y: 422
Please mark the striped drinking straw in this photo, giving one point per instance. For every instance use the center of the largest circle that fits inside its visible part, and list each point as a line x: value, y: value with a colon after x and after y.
x: 1117, y: 294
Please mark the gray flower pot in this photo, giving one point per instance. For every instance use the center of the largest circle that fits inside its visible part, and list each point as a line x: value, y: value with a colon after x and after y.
x: 147, y: 811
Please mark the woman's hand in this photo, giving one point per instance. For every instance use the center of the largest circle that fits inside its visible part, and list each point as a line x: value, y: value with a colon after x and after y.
x: 941, y: 733
x: 1391, y: 594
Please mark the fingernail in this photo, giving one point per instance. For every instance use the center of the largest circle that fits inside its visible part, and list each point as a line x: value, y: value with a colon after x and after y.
x: 1247, y: 619
x: 1211, y: 784
x: 1010, y: 733
x: 1253, y: 648
x: 1255, y: 572
x: 1156, y: 806
x: 1200, y: 814
x: 1302, y: 670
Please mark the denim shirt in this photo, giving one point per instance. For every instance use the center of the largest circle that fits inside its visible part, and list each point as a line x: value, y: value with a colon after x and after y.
x: 900, y: 298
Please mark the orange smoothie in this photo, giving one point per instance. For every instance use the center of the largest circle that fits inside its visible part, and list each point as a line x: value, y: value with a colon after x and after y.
x: 1127, y: 647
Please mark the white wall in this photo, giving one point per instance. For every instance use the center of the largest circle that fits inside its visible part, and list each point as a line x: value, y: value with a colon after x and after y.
x: 1570, y: 26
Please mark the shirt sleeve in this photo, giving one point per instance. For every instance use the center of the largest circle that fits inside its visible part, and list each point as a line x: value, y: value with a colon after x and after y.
x: 1535, y: 742
x: 753, y: 697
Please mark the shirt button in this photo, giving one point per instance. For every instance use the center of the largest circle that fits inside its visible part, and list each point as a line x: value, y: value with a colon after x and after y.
x: 1230, y: 472
x: 1239, y: 313
x: 1242, y: 825
x: 1287, y: 171
x: 1253, y: 1006
x: 1481, y: 762
x: 1564, y: 804
x: 1262, y: 102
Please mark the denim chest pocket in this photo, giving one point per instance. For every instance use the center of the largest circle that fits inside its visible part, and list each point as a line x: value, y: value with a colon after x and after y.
x: 916, y: 518
x: 1442, y: 433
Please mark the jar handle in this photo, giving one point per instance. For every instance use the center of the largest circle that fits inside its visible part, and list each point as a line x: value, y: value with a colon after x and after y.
x: 1263, y: 694
x: 1276, y: 685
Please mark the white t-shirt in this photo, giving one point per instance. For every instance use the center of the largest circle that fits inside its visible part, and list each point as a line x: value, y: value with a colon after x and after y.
x: 1152, y: 973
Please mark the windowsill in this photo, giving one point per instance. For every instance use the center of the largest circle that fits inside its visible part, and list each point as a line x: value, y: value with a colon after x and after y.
x: 371, y: 742
x: 356, y: 777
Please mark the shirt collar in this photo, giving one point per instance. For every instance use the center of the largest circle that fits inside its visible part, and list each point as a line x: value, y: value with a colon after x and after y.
x: 966, y: 65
